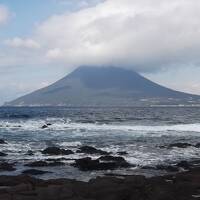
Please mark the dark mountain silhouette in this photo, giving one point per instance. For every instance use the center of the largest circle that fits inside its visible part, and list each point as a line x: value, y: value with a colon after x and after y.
x: 102, y: 86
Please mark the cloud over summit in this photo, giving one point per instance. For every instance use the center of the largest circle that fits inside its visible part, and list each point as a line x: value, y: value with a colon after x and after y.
x: 142, y: 34
x: 145, y: 34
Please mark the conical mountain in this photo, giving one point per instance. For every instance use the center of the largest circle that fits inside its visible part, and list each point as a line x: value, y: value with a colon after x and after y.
x: 102, y: 86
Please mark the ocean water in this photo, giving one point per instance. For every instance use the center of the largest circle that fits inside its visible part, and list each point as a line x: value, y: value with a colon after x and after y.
x: 138, y: 131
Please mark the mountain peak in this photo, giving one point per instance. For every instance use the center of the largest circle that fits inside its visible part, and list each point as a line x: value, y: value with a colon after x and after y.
x: 88, y: 85
x: 105, y: 77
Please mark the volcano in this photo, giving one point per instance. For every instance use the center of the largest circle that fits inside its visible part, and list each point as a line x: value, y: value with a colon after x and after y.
x: 102, y: 86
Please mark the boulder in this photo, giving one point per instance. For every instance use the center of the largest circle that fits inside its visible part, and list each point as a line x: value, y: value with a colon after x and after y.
x: 30, y: 153
x: 183, y: 164
x: 168, y: 168
x: 44, y: 164
x: 34, y: 172
x: 3, y: 154
x: 91, y: 150
x: 87, y: 164
x: 37, y: 164
x: 44, y: 126
x: 56, y: 151
x: 49, y: 124
x: 2, y: 141
x: 4, y: 166
x: 180, y: 145
x: 112, y: 158
x: 197, y: 145
x: 122, y: 153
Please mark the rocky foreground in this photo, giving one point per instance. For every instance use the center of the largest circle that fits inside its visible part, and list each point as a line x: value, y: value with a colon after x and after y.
x: 177, y: 186
x: 182, y: 186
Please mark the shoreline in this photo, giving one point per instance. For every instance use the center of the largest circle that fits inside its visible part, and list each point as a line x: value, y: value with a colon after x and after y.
x: 183, y: 186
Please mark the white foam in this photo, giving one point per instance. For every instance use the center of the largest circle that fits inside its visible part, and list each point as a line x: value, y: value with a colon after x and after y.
x: 70, y: 144
x: 180, y: 127
x: 84, y: 128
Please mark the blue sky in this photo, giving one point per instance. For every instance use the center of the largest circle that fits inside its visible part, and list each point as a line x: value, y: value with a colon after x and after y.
x: 26, y: 14
x: 43, y: 40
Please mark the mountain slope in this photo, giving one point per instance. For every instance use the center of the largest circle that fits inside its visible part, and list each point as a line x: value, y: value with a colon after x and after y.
x: 101, y: 86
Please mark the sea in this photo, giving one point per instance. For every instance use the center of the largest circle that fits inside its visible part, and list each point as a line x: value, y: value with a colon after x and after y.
x: 143, y: 132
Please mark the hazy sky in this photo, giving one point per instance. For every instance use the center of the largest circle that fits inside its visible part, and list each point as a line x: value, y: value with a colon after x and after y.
x: 43, y: 40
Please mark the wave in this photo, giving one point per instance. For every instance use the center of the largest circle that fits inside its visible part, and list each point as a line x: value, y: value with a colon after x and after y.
x: 35, y: 125
x: 15, y: 116
x: 179, y: 127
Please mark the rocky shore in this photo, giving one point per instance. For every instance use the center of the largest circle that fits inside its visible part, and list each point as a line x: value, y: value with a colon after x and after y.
x: 181, y: 183
x: 182, y: 186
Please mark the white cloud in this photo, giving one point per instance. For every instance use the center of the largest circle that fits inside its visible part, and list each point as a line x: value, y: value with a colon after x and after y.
x: 4, y: 14
x: 79, y: 3
x: 54, y: 53
x: 144, y: 34
x: 22, y: 43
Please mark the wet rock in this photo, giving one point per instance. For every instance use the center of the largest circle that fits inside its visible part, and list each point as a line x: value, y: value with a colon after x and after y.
x: 91, y: 150
x: 30, y: 153
x: 180, y: 145
x: 2, y: 141
x: 122, y: 153
x: 181, y: 186
x: 168, y: 168
x: 37, y: 164
x: 49, y: 124
x: 44, y: 126
x: 34, y: 172
x: 195, y: 163
x: 183, y: 164
x: 56, y: 151
x: 44, y: 164
x: 56, y: 163
x: 197, y: 145
x: 148, y: 167
x: 3, y: 154
x: 112, y: 158
x: 58, y: 159
x: 4, y: 166
x: 87, y: 164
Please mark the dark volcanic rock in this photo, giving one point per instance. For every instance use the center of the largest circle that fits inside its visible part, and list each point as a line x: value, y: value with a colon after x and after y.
x: 181, y: 186
x: 148, y: 167
x: 91, y: 150
x: 122, y: 153
x: 56, y: 151
x: 180, y: 145
x: 34, y: 172
x: 183, y: 164
x: 168, y: 168
x: 112, y: 158
x: 3, y: 154
x: 49, y: 124
x: 44, y: 164
x: 87, y: 164
x: 2, y: 141
x: 4, y: 166
x: 37, y: 164
x: 44, y: 126
x: 197, y: 145
x: 30, y: 153
x: 58, y: 159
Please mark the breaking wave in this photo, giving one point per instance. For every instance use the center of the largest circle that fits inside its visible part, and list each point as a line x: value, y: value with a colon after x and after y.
x: 60, y: 124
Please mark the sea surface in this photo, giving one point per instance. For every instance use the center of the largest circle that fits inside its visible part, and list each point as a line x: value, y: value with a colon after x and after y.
x: 139, y: 131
